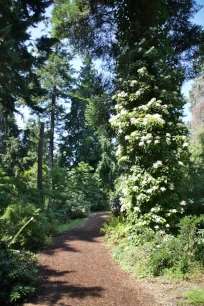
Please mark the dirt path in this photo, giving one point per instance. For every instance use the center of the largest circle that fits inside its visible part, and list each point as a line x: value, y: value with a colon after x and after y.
x: 77, y: 270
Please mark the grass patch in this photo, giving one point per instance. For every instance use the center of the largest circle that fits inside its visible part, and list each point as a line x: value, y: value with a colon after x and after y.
x: 61, y: 229
x: 195, y: 297
x: 64, y: 227
x: 132, y: 259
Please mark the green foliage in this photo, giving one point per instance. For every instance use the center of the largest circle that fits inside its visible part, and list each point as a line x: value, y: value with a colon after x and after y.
x: 5, y: 190
x: 77, y: 191
x: 115, y: 229
x: 133, y: 259
x: 107, y: 168
x: 153, y: 144
x: 145, y: 253
x: 83, y: 22
x: 80, y: 142
x: 18, y: 275
x: 196, y: 174
x: 16, y: 61
x: 65, y: 227
x: 84, y: 190
x: 33, y: 235
x: 195, y: 297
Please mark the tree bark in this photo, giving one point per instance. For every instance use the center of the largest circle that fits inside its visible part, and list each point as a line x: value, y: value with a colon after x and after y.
x: 40, y: 156
x: 51, y: 143
x: 52, y: 129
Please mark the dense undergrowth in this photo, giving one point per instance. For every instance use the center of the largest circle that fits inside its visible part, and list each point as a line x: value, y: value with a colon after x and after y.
x: 193, y: 297
x: 28, y: 223
x: 18, y: 275
x: 147, y: 253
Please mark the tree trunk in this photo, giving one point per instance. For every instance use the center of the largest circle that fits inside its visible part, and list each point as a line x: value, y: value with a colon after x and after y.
x: 52, y: 128
x: 51, y: 144
x: 40, y: 156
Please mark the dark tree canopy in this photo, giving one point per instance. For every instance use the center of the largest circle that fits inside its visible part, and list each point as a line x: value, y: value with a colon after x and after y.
x: 17, y: 79
x: 105, y: 27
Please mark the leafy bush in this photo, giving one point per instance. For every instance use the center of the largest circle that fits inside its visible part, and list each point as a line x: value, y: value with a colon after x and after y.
x: 18, y: 275
x: 181, y: 253
x: 33, y: 236
x: 82, y: 180
x: 6, y: 190
x: 115, y: 228
x: 77, y: 206
x: 146, y: 253
x: 76, y: 192
x: 195, y: 297
x: 192, y: 232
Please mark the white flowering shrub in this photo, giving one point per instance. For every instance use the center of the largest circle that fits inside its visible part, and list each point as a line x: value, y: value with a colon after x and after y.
x: 153, y: 143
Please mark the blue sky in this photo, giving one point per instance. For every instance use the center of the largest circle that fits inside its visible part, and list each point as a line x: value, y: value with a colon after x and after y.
x: 43, y: 29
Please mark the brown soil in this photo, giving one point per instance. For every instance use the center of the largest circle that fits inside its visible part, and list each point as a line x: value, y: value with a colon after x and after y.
x: 77, y: 270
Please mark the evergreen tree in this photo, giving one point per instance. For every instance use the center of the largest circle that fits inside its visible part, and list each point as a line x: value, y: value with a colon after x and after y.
x: 17, y: 79
x: 56, y: 78
x: 80, y: 143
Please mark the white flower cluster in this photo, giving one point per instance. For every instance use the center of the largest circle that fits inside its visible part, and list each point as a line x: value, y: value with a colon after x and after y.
x: 122, y: 94
x: 163, y: 189
x: 118, y: 107
x: 135, y: 188
x: 123, y: 112
x: 133, y: 83
x: 142, y: 70
x: 168, y: 138
x: 152, y: 101
x: 134, y: 121
x: 142, y: 42
x: 125, y: 206
x: 174, y: 211
x: 155, y: 209
x: 167, y: 77
x: 155, y: 118
x: 147, y: 138
x: 143, y: 107
x: 139, y: 93
x: 185, y: 145
x: 157, y: 164
x: 180, y: 163
x: 119, y: 150
x: 124, y: 158
x: 152, y: 189
x: 157, y: 219
x: 171, y: 186
x: 133, y: 134
x: 150, y: 51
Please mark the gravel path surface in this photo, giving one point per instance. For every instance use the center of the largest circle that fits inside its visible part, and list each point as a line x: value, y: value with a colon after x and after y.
x: 77, y: 271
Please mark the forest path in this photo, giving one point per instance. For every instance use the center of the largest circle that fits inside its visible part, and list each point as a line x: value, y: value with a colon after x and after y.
x: 77, y: 270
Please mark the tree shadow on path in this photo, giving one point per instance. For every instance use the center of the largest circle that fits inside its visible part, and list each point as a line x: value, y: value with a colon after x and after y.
x: 87, y: 231
x: 54, y: 286
x: 55, y: 290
